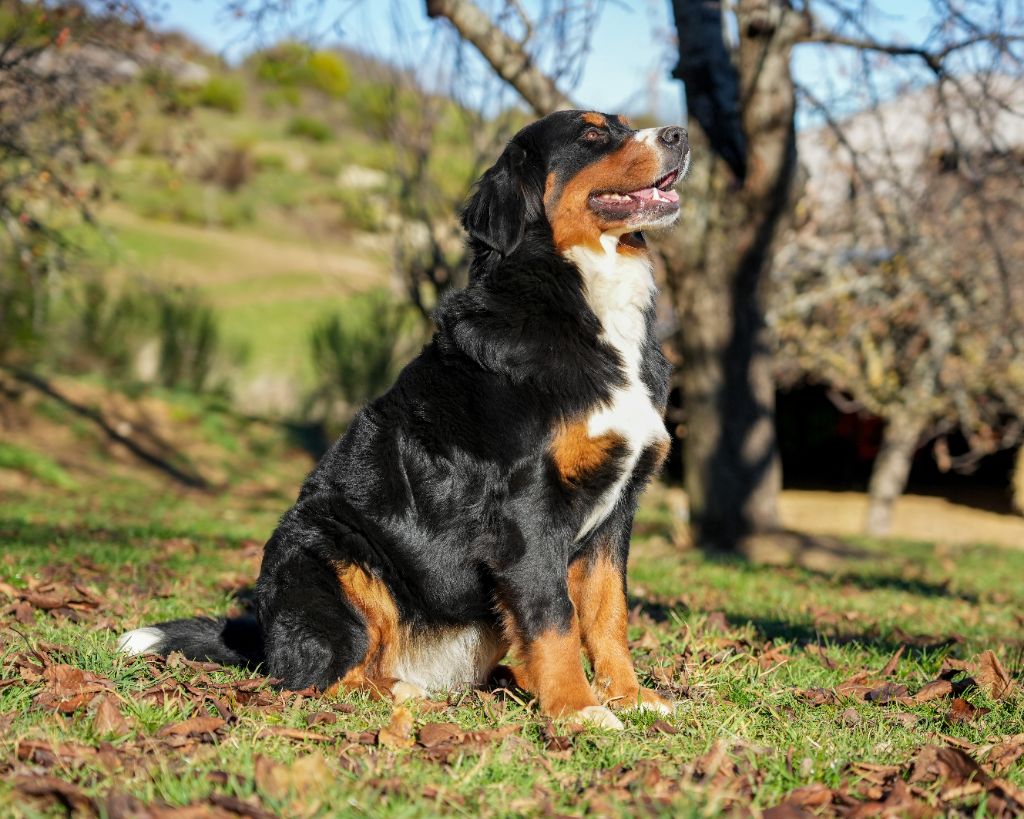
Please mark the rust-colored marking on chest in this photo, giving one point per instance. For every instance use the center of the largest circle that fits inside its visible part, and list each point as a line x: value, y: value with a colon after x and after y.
x: 577, y: 455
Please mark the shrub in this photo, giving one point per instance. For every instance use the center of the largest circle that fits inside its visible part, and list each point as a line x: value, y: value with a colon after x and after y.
x: 309, y: 128
x: 329, y: 73
x: 293, y: 65
x: 357, y: 352
x: 189, y: 338
x: 222, y: 93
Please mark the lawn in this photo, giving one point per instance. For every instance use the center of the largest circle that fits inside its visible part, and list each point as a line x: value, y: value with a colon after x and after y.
x: 785, y: 679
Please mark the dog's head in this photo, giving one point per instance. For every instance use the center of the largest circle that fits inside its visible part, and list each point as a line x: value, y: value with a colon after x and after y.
x: 587, y: 174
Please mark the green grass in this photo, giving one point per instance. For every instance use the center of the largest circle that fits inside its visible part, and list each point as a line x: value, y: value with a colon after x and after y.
x: 152, y: 554
x: 34, y: 464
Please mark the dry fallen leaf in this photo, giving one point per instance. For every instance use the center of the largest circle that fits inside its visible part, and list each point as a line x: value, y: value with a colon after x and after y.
x: 992, y: 677
x: 301, y: 777
x: 62, y: 794
x: 890, y: 667
x: 1004, y: 755
x: 934, y: 690
x: 108, y: 718
x: 398, y: 732
x: 197, y: 726
x: 962, y: 711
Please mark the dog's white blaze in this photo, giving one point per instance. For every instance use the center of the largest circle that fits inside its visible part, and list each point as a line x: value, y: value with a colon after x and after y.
x: 139, y: 641
x: 449, y: 659
x: 648, y: 135
x: 619, y: 288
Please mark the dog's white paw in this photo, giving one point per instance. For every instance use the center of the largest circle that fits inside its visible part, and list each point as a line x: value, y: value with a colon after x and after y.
x: 403, y: 691
x: 601, y: 717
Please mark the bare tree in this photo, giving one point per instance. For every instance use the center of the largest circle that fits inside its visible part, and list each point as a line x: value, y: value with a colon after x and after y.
x: 55, y: 59
x: 900, y: 292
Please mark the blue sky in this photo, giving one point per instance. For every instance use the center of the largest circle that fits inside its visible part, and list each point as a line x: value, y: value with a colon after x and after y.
x: 627, y: 69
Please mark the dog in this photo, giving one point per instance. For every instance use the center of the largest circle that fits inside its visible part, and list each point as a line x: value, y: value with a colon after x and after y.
x: 483, y: 505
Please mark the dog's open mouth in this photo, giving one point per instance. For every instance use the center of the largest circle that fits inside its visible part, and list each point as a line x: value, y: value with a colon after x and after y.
x: 660, y: 197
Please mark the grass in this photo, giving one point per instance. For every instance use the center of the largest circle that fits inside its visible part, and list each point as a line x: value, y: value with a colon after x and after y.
x: 729, y: 640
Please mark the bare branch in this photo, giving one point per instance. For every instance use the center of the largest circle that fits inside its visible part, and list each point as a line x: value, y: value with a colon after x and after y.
x: 507, y: 57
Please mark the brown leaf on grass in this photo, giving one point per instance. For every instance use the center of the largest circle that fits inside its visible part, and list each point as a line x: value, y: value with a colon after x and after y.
x: 905, y: 719
x: 818, y: 696
x: 57, y: 792
x: 398, y: 732
x: 302, y: 777
x: 801, y: 802
x: 195, y: 727
x: 108, y: 718
x: 716, y: 621
x: 292, y: 733
x: 890, y: 667
x: 659, y: 726
x: 48, y: 754
x: 822, y: 656
x: 240, y: 807
x: 884, y: 694
x: 443, y: 738
x: 322, y: 718
x: 851, y: 717
x: 24, y: 613
x: 951, y: 766
x: 68, y: 688
x: 962, y: 711
x: 992, y: 677
x: 773, y: 656
x: 934, y: 690
x: 1004, y: 755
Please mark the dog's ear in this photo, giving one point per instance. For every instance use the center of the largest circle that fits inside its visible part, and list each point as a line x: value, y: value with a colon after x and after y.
x: 508, y: 197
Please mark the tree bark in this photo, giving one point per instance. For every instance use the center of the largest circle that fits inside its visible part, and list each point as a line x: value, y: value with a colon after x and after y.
x: 505, y: 55
x: 890, y: 471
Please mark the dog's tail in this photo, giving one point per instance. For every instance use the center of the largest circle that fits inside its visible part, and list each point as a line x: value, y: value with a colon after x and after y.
x: 234, y: 641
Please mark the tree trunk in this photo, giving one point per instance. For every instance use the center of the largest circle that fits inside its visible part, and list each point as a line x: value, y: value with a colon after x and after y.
x: 717, y: 267
x: 890, y: 471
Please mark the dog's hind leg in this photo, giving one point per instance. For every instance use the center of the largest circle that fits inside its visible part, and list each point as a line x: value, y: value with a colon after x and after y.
x: 313, y: 635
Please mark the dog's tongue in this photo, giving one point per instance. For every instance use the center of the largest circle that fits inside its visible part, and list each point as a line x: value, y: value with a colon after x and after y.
x: 656, y: 195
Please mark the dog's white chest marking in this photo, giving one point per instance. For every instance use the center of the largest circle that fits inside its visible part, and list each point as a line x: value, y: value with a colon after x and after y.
x: 449, y: 659
x: 619, y: 289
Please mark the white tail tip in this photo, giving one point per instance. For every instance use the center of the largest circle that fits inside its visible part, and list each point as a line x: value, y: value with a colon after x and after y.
x: 139, y: 641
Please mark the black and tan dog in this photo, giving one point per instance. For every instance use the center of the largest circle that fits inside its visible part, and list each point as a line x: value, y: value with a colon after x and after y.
x: 484, y: 503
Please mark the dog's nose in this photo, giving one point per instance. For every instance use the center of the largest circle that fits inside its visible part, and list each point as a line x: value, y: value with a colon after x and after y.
x: 673, y: 136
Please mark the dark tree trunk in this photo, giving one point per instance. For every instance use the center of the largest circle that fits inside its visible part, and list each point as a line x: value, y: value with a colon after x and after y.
x: 890, y: 471
x: 717, y: 269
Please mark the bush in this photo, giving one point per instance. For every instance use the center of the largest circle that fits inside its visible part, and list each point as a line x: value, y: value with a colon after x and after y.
x: 189, y: 338
x: 329, y: 73
x: 357, y: 352
x: 293, y: 65
x: 222, y: 93
x: 309, y: 128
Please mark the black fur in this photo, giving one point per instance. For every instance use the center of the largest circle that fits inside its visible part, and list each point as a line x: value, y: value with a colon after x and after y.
x: 444, y: 487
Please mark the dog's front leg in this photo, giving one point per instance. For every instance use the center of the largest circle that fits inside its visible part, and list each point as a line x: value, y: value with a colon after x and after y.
x: 597, y: 586
x: 544, y: 632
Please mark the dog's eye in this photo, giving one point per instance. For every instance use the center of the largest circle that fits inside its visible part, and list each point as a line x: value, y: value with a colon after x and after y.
x: 594, y: 135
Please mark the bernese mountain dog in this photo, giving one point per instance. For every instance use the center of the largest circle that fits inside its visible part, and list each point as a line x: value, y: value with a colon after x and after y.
x: 483, y: 505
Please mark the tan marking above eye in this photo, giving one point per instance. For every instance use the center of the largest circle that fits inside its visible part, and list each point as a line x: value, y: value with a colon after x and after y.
x: 624, y: 120
x: 595, y: 119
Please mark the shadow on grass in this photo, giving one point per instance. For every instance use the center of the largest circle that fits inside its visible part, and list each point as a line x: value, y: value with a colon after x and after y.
x: 27, y: 533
